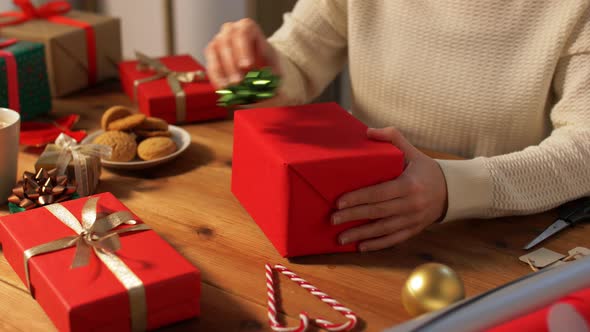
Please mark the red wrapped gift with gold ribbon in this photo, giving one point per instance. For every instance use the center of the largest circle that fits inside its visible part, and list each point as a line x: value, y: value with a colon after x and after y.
x: 93, y: 265
x: 173, y: 88
x: 81, y: 48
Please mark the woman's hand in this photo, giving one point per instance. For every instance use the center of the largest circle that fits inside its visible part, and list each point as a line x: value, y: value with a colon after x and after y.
x: 400, y: 208
x: 237, y: 48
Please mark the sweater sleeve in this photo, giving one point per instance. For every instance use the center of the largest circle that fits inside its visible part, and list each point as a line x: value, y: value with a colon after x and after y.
x: 312, y: 44
x: 539, y: 177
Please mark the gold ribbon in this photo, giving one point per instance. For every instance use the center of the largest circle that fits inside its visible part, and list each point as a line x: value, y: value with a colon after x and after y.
x: 174, y: 79
x: 101, y: 237
x: 71, y: 150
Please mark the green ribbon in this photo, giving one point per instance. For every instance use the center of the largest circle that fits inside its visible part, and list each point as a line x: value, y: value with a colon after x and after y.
x: 256, y: 86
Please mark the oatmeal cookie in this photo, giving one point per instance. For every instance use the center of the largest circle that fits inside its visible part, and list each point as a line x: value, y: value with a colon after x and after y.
x: 114, y: 113
x: 127, y: 123
x: 156, y: 147
x: 123, y: 144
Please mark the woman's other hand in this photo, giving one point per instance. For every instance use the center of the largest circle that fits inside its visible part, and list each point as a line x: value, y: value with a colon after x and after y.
x: 238, y: 47
x: 399, y: 209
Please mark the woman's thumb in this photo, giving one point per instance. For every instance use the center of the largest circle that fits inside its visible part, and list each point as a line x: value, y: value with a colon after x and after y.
x: 394, y: 136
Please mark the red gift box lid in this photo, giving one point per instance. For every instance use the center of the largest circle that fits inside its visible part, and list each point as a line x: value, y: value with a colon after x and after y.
x: 323, y: 143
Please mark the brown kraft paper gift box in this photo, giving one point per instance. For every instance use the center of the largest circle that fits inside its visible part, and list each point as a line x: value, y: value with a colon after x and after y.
x: 66, y: 48
x: 48, y: 160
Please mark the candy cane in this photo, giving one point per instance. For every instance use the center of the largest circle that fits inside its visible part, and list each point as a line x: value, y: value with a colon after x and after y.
x: 304, y: 317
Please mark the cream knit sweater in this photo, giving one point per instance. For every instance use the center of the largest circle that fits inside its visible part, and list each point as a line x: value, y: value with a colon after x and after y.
x: 506, y: 83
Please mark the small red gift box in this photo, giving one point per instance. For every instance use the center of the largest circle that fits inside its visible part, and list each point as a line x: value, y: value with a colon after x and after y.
x: 196, y: 101
x: 149, y: 285
x: 291, y: 164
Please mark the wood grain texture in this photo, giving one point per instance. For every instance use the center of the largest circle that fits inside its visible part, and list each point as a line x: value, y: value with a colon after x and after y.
x: 189, y: 203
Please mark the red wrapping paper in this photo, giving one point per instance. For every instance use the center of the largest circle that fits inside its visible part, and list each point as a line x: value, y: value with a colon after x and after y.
x: 156, y: 99
x: 34, y: 133
x: 291, y: 164
x: 538, y: 321
x: 90, y: 297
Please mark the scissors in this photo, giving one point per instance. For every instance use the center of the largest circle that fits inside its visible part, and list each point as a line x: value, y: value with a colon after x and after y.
x: 569, y: 214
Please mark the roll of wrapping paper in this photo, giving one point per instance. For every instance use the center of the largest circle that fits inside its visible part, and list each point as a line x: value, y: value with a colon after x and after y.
x: 525, y: 295
x: 257, y: 85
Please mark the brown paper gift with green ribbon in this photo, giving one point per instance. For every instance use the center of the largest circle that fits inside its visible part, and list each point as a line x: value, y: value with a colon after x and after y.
x: 81, y: 48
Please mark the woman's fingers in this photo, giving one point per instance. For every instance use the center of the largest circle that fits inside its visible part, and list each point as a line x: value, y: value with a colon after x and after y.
x: 225, y: 51
x: 215, y: 70
x: 393, y: 207
x: 389, y: 240
x: 375, y: 229
x: 237, y: 48
x: 244, y: 41
x: 374, y: 194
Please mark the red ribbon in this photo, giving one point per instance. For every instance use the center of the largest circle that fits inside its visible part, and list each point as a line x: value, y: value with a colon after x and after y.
x: 40, y: 133
x: 11, y: 75
x: 52, y: 12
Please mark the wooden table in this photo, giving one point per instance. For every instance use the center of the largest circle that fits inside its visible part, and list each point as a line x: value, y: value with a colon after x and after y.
x: 189, y: 203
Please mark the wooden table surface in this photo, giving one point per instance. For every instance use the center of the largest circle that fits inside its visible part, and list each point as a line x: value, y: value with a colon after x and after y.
x: 189, y: 203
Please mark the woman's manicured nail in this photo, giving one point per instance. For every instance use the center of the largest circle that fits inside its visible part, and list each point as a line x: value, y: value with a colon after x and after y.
x: 344, y: 240
x: 342, y: 204
x: 336, y: 219
x: 363, y: 249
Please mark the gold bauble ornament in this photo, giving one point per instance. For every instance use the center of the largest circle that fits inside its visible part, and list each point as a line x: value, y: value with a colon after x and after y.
x: 431, y: 287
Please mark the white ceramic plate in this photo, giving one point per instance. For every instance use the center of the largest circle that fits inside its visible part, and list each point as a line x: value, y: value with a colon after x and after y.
x: 180, y: 136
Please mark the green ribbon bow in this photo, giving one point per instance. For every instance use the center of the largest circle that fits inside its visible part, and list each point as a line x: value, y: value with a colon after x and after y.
x: 256, y: 86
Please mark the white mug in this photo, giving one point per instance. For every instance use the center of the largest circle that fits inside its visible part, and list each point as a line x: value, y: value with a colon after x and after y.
x: 9, y: 136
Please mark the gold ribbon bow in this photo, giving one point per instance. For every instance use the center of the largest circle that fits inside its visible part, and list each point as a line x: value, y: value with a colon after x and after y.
x: 70, y: 150
x: 101, y: 237
x: 174, y: 79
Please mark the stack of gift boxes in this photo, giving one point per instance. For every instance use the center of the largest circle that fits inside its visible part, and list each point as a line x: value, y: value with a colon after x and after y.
x: 52, y: 50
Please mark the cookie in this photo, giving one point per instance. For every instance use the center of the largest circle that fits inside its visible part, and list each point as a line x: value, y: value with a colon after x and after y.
x: 127, y: 123
x: 152, y: 123
x: 123, y: 144
x: 155, y: 147
x: 152, y: 133
x: 114, y: 113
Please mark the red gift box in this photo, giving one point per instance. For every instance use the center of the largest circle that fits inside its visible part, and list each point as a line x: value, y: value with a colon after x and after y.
x: 92, y: 297
x: 156, y: 98
x: 291, y: 164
